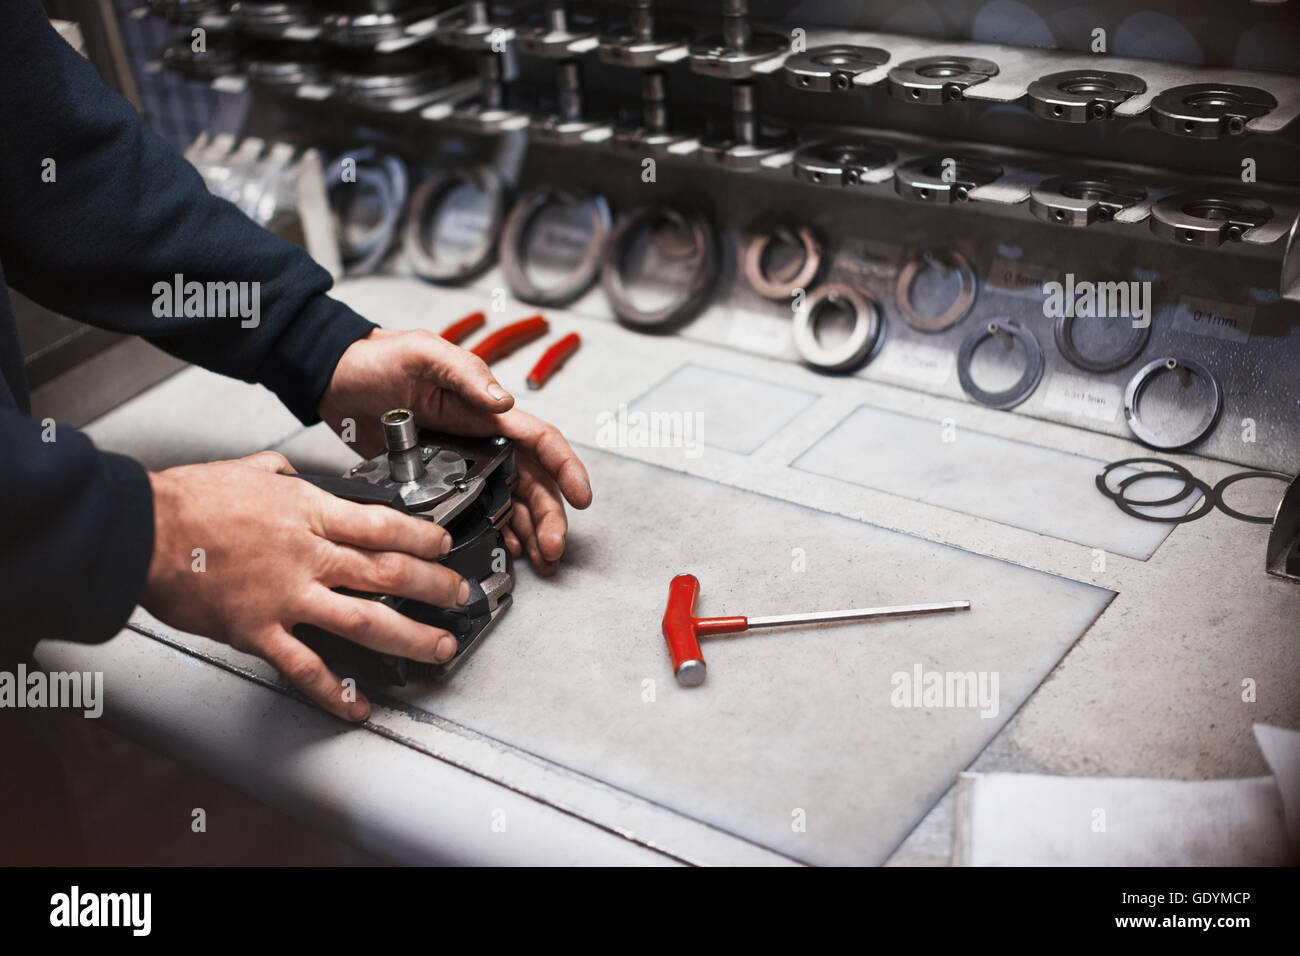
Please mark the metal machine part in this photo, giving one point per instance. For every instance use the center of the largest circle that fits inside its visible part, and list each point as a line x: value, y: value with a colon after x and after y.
x: 218, y: 59
x: 652, y: 136
x: 474, y: 29
x: 945, y: 264
x: 1081, y: 96
x: 515, y: 245
x: 801, y: 273
x: 1009, y: 332
x: 933, y: 80
x: 1209, y: 110
x: 733, y: 54
x: 697, y: 258
x: 854, y: 350
x: 462, y: 484
x: 376, y: 24
x: 554, y: 37
x: 434, y: 222
x: 1175, y: 470
x: 272, y: 20
x: 944, y: 178
x: 638, y: 43
x: 1231, y: 480
x: 1081, y: 200
x: 751, y: 139
x: 568, y: 124
x: 370, y: 175
x: 388, y: 81
x: 1207, y: 218
x: 826, y: 68
x: 488, y: 111
x: 840, y: 162
x: 1130, y: 507
x: 1134, y: 341
x: 1138, y: 384
x: 1282, y: 558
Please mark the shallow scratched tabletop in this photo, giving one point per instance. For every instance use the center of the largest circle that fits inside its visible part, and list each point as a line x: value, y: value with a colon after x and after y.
x: 1119, y: 647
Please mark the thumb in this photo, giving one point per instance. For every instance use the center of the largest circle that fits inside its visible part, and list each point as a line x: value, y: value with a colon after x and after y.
x: 271, y: 461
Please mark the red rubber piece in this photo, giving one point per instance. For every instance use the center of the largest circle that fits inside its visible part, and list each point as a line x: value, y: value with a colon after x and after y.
x: 505, y: 340
x: 552, y: 359
x: 461, y: 329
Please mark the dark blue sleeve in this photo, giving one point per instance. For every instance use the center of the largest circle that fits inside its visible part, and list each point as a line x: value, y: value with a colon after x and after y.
x: 125, y: 212
x: 76, y: 535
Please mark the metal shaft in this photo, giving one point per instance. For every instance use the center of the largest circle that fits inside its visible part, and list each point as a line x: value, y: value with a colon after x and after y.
x: 858, y: 614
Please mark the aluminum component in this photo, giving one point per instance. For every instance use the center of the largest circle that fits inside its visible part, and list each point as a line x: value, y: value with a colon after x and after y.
x: 652, y: 136
x: 827, y: 68
x: 1209, y: 110
x: 284, y: 74
x: 1207, y: 218
x: 1009, y: 331
x: 637, y: 43
x: 474, y: 29
x: 567, y: 125
x: 945, y: 262
x: 428, y: 204
x: 381, y: 25
x: 803, y: 273
x: 1134, y: 341
x: 1082, y: 200
x: 933, y: 80
x: 384, y: 177
x: 488, y: 111
x: 1175, y: 470
x: 733, y: 54
x: 751, y: 140
x: 514, y: 241
x: 1242, y: 476
x: 1130, y: 507
x: 701, y: 255
x: 854, y: 350
x: 554, y: 36
x: 1282, y: 558
x: 840, y: 163
x: 272, y: 20
x: 1138, y: 384
x: 943, y: 178
x: 1081, y: 96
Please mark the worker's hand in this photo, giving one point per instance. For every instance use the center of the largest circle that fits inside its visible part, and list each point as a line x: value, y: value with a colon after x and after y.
x: 450, y: 389
x: 243, y: 552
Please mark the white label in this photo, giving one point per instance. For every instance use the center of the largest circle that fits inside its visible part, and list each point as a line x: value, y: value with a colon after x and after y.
x: 1020, y: 277
x: 1081, y: 396
x: 755, y: 332
x: 1219, y: 320
x: 916, y: 362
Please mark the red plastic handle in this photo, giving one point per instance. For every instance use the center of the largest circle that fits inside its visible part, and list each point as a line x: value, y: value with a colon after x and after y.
x: 552, y: 359
x: 682, y: 629
x: 505, y: 340
x: 461, y: 329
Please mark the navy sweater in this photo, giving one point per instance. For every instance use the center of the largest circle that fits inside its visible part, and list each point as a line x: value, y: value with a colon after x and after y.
x: 124, y: 212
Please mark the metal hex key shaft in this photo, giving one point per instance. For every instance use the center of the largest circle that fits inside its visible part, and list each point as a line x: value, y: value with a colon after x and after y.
x: 682, y: 629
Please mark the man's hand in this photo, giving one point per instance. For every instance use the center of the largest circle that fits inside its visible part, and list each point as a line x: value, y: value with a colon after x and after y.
x: 452, y: 390
x: 273, y: 547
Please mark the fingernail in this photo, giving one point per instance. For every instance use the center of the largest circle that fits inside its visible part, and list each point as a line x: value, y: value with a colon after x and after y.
x: 446, y: 544
x: 462, y: 596
x: 445, y: 649
x: 496, y: 391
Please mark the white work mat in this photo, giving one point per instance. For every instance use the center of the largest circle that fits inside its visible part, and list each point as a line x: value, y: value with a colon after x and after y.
x: 793, y: 741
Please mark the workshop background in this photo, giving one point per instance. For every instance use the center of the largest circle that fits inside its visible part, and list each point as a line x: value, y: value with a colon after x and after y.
x: 806, y: 251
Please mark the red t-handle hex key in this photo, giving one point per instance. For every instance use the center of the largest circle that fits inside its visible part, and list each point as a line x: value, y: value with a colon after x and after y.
x: 682, y: 629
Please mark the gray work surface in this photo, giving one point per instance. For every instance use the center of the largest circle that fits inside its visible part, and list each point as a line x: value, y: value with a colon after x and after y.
x: 1120, y: 651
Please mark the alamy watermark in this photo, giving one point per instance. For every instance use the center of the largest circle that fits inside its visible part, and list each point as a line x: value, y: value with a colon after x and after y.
x: 208, y: 300
x: 77, y: 690
x: 1103, y: 300
x: 638, y: 429
x: 946, y: 690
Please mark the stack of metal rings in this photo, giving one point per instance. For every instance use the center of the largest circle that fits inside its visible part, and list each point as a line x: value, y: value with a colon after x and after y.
x: 1211, y: 497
